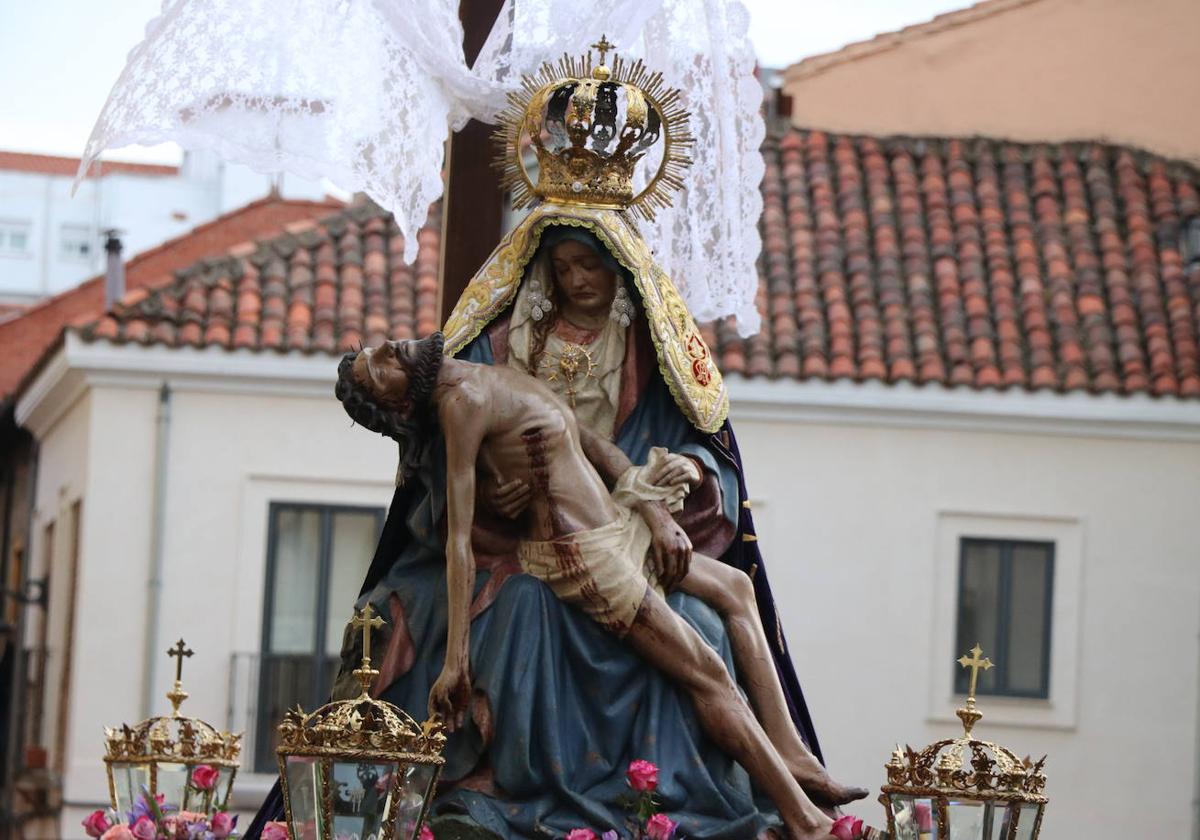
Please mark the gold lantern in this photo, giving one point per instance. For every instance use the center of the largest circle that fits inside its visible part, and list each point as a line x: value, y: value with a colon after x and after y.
x: 358, y: 768
x: 186, y: 760
x: 964, y: 788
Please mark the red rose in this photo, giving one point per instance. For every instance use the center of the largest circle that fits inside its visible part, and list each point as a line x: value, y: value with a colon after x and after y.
x: 642, y: 775
x: 96, y: 824
x: 278, y: 831
x: 204, y: 777
x: 581, y: 834
x: 222, y: 824
x: 660, y: 827
x: 144, y: 829
x: 847, y: 828
x: 426, y: 832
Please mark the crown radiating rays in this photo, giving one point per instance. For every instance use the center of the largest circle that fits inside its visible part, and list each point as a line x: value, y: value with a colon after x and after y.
x: 596, y: 147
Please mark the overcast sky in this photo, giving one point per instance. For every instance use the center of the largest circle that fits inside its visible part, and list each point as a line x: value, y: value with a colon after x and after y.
x: 58, y: 58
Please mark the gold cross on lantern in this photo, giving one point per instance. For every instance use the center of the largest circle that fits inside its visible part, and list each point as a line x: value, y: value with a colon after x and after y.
x: 177, y: 695
x: 367, y: 621
x: 603, y: 46
x: 976, y: 664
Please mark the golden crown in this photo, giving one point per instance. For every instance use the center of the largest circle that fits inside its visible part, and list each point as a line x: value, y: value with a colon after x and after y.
x: 589, y: 126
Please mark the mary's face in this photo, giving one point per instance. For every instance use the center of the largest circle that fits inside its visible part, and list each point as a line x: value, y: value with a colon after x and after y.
x: 586, y: 286
x: 383, y: 372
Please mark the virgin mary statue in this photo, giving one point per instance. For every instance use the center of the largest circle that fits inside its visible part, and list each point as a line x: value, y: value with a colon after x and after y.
x: 574, y: 296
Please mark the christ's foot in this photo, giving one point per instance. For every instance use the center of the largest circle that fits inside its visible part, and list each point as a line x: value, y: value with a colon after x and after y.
x: 821, y: 787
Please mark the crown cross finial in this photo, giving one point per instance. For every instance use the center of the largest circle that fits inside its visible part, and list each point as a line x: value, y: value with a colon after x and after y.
x: 177, y: 695
x: 975, y: 663
x: 603, y: 46
x: 178, y: 653
x: 367, y: 621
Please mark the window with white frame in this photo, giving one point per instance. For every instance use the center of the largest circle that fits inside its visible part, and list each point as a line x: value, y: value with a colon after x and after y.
x: 1005, y: 591
x: 1013, y: 582
x: 317, y: 556
x: 75, y: 243
x: 15, y: 238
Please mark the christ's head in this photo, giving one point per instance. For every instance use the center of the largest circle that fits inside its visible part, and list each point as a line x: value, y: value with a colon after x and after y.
x: 387, y: 389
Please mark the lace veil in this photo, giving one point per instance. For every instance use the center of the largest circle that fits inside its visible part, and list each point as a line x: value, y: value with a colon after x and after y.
x: 365, y: 92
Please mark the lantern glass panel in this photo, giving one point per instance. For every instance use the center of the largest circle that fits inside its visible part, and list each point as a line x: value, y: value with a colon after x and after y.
x: 128, y: 781
x: 416, y: 786
x: 361, y: 794
x: 1029, y: 814
x: 303, y: 784
x: 223, y: 787
x: 913, y: 818
x: 173, y: 784
x: 970, y: 820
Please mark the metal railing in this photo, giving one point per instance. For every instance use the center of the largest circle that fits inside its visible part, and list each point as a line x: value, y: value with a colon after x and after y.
x: 262, y: 686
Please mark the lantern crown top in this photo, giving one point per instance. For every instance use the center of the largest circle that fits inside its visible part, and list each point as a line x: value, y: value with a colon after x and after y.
x: 362, y: 724
x: 590, y: 125
x: 176, y: 737
x: 967, y: 766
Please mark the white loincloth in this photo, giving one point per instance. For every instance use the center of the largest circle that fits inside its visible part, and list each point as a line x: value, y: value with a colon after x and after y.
x: 606, y: 571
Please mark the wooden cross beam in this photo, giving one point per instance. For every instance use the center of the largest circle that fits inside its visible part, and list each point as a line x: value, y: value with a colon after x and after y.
x: 473, y: 205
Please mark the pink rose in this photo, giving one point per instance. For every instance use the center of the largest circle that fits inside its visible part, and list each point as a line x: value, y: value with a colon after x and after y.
x: 96, y: 824
x: 847, y: 828
x: 120, y: 831
x: 222, y: 825
x: 204, y: 777
x: 642, y: 775
x: 426, y: 832
x: 924, y: 815
x: 144, y: 829
x: 581, y: 834
x: 660, y: 826
x: 276, y: 831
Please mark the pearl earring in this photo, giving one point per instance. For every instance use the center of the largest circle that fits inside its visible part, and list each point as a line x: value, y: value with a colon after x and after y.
x: 537, y: 305
x: 622, y: 307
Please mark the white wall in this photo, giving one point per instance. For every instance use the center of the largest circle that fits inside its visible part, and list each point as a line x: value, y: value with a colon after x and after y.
x: 857, y: 519
x: 853, y: 522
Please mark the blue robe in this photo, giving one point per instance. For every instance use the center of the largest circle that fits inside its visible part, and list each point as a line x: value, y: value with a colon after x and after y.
x: 571, y: 704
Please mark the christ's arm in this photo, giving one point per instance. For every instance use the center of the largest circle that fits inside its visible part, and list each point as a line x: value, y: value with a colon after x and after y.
x: 463, y: 423
x: 671, y: 547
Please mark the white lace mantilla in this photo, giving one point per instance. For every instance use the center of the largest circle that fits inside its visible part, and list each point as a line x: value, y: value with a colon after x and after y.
x: 364, y: 93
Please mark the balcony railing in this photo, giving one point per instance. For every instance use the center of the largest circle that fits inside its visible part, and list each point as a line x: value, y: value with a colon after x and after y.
x: 264, y: 686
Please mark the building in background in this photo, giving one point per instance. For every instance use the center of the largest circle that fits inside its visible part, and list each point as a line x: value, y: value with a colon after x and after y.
x: 51, y: 241
x: 972, y: 414
x: 25, y: 669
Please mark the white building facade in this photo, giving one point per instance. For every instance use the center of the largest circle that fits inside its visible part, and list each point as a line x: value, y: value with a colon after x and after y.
x: 168, y: 508
x: 51, y: 241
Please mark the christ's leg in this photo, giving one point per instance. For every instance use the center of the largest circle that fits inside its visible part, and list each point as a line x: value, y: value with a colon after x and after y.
x: 731, y: 593
x: 672, y: 646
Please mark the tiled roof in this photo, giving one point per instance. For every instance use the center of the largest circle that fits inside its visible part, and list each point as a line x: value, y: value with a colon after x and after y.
x: 55, y: 165
x: 27, y: 335
x: 976, y: 263
x: 322, y: 287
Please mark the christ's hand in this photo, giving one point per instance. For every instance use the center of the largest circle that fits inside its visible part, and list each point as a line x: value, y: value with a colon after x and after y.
x: 670, y: 548
x: 450, y: 696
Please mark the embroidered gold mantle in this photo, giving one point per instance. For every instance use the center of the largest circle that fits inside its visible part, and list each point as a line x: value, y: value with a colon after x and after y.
x: 684, y: 359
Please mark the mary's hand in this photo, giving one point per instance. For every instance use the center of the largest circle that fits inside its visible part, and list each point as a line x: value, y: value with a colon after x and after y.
x: 450, y: 696
x: 673, y: 470
x: 670, y: 549
x: 507, y: 498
